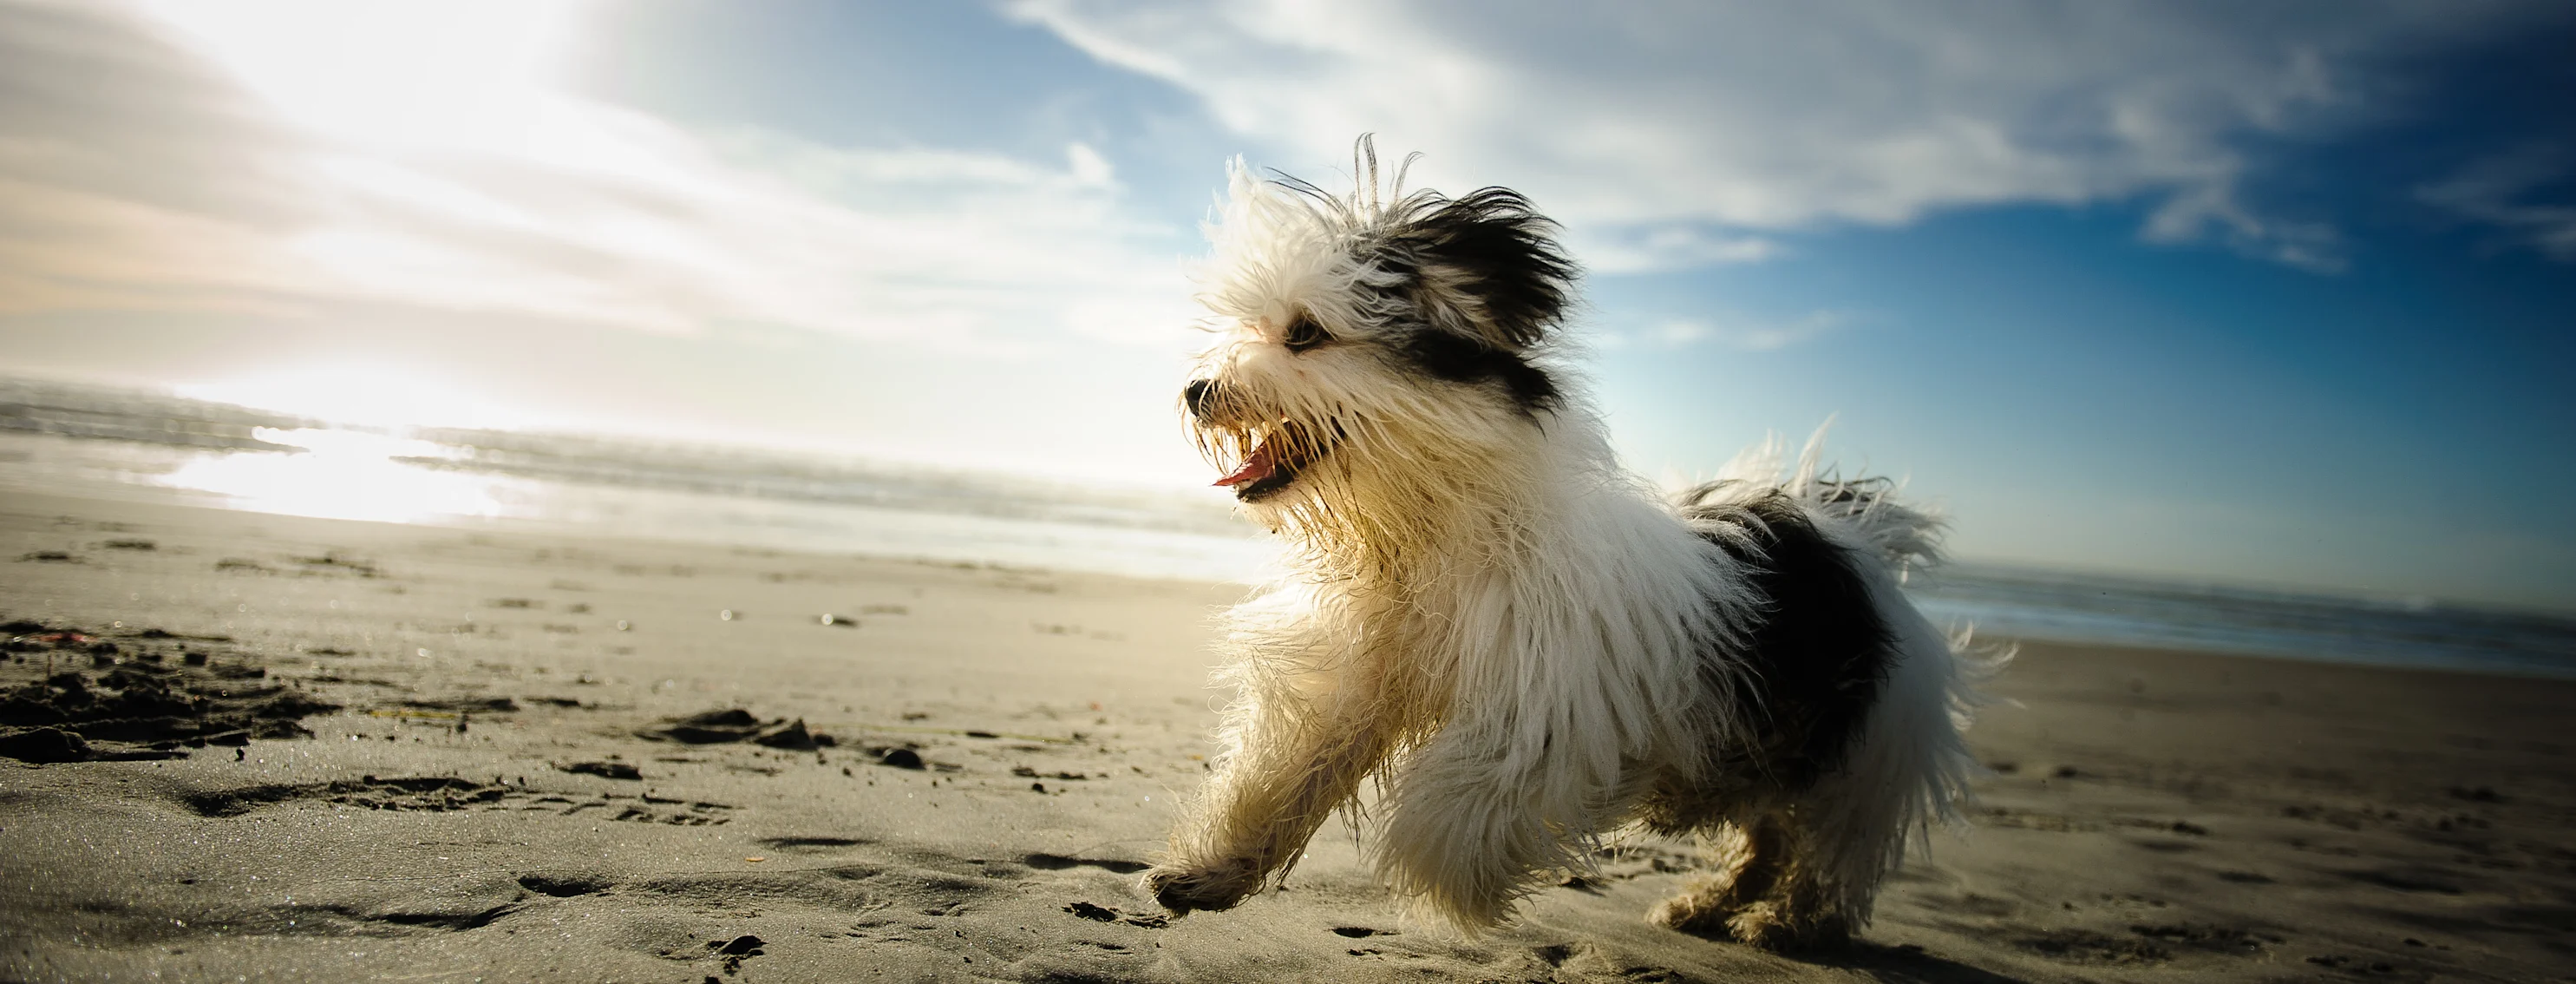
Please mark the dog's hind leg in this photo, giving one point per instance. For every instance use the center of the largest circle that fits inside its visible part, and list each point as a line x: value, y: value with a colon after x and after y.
x: 1748, y: 862
x: 1803, y: 906
x: 1770, y: 890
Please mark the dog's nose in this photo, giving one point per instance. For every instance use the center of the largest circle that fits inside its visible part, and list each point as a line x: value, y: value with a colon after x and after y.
x: 1195, y: 396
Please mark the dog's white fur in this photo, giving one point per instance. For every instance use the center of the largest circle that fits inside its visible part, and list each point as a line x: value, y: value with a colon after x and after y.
x: 1517, y: 639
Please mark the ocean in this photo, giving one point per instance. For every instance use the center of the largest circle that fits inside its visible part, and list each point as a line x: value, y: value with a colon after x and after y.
x: 116, y: 444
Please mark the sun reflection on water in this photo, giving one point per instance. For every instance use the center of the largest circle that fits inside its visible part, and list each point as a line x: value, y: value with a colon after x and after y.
x: 346, y: 474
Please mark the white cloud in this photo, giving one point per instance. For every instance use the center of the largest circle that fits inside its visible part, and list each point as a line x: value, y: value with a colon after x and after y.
x: 260, y: 155
x: 1087, y: 165
x: 1679, y: 332
x: 1631, y: 120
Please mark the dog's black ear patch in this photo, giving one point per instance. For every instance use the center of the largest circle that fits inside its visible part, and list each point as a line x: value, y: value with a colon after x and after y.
x: 1486, y: 266
x: 1460, y: 359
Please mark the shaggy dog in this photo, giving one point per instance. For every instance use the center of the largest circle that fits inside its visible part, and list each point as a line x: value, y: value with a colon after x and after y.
x: 1523, y: 644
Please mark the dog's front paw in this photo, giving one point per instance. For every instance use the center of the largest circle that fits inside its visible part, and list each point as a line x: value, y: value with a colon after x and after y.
x: 1214, y: 888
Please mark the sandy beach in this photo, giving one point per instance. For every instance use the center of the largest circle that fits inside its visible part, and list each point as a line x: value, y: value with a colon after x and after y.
x: 251, y: 747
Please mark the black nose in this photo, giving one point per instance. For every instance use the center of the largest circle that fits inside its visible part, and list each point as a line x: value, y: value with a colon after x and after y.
x: 1196, y: 395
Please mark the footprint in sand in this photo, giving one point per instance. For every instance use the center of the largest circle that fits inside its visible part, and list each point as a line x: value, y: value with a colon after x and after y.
x: 449, y: 793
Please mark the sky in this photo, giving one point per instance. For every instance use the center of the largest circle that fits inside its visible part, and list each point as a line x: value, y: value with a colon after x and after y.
x: 2270, y: 293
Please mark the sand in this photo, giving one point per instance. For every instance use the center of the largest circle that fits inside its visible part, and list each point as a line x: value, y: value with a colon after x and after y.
x: 416, y: 753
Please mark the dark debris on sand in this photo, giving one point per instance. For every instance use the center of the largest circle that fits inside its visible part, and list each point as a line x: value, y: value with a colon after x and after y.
x: 604, y: 770
x: 735, y: 951
x: 1110, y: 914
x: 736, y: 725
x: 133, y: 701
x: 901, y: 758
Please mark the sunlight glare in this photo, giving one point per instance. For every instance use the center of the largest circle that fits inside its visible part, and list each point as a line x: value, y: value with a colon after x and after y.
x: 344, y: 474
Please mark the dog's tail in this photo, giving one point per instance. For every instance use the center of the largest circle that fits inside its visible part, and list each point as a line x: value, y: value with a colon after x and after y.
x: 1864, y: 510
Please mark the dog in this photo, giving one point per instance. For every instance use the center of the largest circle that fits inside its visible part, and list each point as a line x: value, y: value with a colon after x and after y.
x: 1527, y: 648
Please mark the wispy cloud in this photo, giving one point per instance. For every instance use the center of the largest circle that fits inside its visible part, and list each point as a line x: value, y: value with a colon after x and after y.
x: 1652, y: 249
x: 266, y: 156
x: 1765, y: 117
x: 1731, y: 329
x: 2501, y: 191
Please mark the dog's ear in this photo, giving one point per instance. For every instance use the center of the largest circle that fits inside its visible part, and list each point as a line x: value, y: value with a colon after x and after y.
x: 1485, y: 266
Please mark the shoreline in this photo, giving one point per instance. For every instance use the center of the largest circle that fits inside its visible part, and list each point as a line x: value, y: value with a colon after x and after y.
x: 2154, y: 815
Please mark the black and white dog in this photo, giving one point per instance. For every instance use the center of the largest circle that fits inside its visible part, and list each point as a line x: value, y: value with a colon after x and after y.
x: 1524, y: 645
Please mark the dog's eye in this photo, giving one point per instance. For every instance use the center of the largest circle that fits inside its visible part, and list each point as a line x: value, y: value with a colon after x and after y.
x: 1304, y: 334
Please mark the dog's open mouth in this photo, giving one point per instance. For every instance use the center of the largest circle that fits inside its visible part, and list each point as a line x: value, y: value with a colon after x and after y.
x: 1276, y: 458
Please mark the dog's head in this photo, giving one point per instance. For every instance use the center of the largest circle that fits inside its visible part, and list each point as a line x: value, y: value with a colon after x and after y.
x: 1373, y: 349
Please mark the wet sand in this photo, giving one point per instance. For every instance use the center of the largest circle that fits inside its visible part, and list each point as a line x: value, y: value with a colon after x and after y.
x: 318, y: 750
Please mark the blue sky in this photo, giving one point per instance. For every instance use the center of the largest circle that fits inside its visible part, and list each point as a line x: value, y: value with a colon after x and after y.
x: 2274, y: 293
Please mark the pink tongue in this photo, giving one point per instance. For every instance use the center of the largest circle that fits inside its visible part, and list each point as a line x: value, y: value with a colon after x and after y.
x: 1255, y: 468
